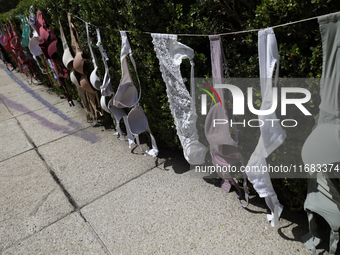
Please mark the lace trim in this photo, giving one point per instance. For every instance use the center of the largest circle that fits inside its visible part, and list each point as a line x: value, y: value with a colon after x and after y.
x: 178, y: 96
x: 326, y: 118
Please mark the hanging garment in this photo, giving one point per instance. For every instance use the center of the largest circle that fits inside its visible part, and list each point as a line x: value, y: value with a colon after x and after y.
x: 15, y: 43
x: 25, y: 32
x: 3, y: 38
x: 8, y: 45
x: 49, y: 49
x: 170, y: 53
x: 127, y: 97
x: 68, y: 62
x: 33, y: 45
x: 118, y: 113
x: 323, y: 144
x: 223, y: 148
x: 272, y: 135
x: 106, y: 90
x: 67, y: 56
x: 94, y: 79
x: 106, y: 87
x: 78, y: 66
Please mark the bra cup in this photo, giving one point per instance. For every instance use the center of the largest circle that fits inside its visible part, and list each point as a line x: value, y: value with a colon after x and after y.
x: 15, y: 44
x: 85, y: 84
x: 137, y: 121
x: 3, y: 40
x: 107, y: 89
x: 53, y: 50
x: 117, y: 112
x: 103, y: 104
x: 34, y: 46
x: 78, y: 63
x: 126, y: 96
x: 74, y: 79
x: 68, y: 59
x: 94, y: 79
x: 43, y: 35
x: 219, y: 135
x: 179, y: 51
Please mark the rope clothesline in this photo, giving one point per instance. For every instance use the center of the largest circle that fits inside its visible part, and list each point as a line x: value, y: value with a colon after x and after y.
x: 230, y: 33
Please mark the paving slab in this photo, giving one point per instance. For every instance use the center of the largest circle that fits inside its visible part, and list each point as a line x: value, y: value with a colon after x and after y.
x: 12, y: 139
x: 32, y: 100
x: 14, y: 86
x: 30, y: 199
x: 162, y: 212
x: 51, y: 123
x: 11, y: 89
x: 4, y: 112
x: 89, y: 168
x: 70, y: 236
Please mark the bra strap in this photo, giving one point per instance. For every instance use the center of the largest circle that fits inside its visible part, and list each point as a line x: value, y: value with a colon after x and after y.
x: 63, y: 39
x: 90, y: 45
x: 107, y: 79
x: 235, y: 183
x: 126, y: 50
x: 150, y: 152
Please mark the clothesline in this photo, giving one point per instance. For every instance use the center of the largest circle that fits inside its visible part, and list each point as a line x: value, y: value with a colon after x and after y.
x: 230, y: 33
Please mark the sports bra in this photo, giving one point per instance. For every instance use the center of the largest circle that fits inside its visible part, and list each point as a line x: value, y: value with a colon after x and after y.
x: 94, y: 79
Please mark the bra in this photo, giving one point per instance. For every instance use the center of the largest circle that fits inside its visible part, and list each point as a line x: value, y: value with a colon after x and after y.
x: 94, y: 79
x: 138, y: 124
x: 15, y: 40
x: 8, y: 45
x: 15, y: 44
x: 48, y: 39
x: 223, y: 148
x: 78, y: 62
x: 127, y: 94
x: 25, y: 32
x: 34, y: 42
x: 67, y: 56
x: 3, y: 38
x: 43, y: 33
x: 106, y: 87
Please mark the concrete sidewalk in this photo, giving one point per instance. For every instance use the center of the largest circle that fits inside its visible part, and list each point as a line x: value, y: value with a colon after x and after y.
x: 67, y: 187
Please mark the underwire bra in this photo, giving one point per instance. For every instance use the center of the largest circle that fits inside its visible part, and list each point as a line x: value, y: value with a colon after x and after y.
x: 78, y: 66
x: 94, y: 79
x: 106, y: 87
x: 78, y: 62
x: 67, y: 56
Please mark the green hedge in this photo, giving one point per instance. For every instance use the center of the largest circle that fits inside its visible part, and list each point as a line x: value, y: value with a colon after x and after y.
x: 299, y: 49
